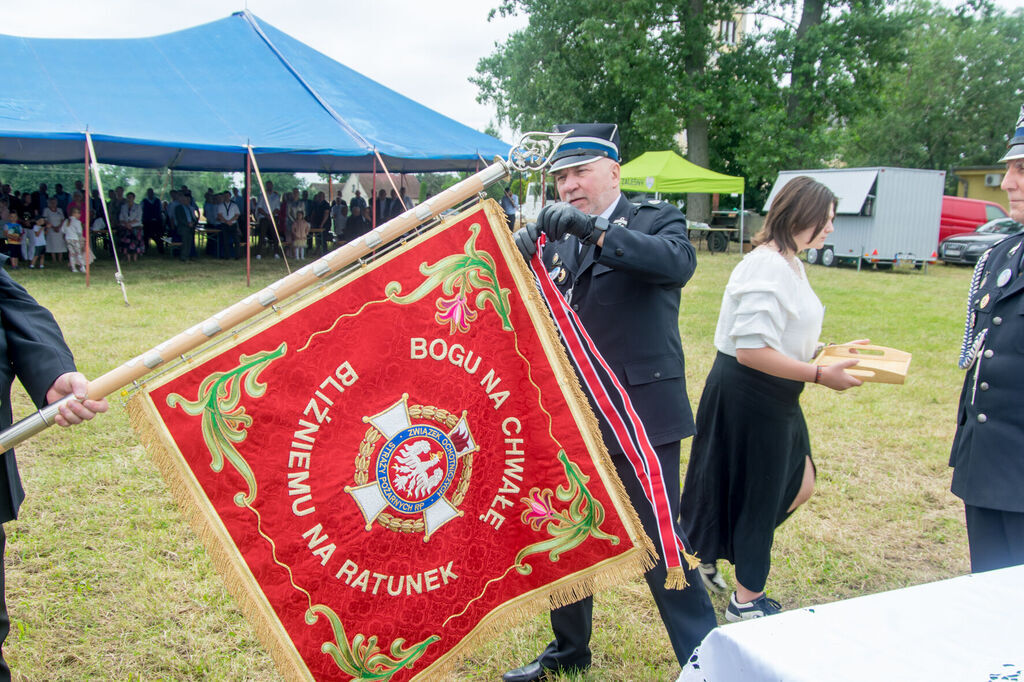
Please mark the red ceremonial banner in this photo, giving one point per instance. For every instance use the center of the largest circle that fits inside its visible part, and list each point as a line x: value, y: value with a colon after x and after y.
x: 398, y: 466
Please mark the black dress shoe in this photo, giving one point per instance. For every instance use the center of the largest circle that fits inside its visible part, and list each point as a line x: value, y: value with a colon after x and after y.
x: 528, y: 673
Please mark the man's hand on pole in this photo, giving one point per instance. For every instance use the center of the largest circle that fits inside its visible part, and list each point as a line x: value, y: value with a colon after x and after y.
x: 74, y: 411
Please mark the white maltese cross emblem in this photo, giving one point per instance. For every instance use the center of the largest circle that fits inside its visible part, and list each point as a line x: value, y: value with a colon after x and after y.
x: 414, y: 469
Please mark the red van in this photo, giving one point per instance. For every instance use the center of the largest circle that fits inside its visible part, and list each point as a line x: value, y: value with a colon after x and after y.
x: 961, y: 215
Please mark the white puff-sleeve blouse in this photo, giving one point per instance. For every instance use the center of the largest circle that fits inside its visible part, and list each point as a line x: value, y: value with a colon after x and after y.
x: 769, y: 303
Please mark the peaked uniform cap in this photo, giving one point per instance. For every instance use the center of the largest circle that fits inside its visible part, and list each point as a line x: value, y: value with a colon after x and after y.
x: 586, y: 143
x: 1015, y: 147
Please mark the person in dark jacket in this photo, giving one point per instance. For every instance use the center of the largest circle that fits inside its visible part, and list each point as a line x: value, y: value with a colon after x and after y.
x: 34, y: 351
x: 357, y: 224
x: 988, y: 449
x: 622, y: 267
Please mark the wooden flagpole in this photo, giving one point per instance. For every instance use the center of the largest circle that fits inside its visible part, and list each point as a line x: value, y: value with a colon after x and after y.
x: 532, y: 153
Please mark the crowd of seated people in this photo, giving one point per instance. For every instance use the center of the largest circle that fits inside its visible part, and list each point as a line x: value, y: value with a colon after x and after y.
x: 40, y: 227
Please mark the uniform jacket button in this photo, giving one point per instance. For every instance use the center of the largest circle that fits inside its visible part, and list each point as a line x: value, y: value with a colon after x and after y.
x: 982, y: 418
x: 989, y: 353
x: 997, y: 320
x: 657, y: 375
x: 619, y: 252
x: 576, y: 307
x: 983, y: 385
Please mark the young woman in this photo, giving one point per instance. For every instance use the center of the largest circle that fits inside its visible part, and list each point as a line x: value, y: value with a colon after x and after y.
x: 750, y: 464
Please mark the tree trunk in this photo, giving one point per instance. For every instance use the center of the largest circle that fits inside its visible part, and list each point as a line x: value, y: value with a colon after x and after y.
x: 698, y: 206
x: 802, y: 75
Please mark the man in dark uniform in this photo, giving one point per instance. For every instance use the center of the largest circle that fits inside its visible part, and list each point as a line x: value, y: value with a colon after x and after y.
x: 988, y: 449
x: 32, y: 349
x: 621, y: 267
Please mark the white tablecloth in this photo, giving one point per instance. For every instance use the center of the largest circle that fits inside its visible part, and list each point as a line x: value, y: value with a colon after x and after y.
x: 969, y: 628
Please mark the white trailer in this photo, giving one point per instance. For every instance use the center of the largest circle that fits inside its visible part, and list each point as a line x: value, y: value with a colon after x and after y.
x: 884, y: 216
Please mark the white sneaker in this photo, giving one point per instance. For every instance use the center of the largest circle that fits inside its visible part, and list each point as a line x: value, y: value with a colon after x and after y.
x: 712, y: 579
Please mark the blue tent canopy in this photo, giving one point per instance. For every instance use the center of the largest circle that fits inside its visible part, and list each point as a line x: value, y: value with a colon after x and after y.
x: 195, y: 99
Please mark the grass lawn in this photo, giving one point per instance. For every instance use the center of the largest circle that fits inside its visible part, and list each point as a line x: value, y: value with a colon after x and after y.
x: 106, y: 581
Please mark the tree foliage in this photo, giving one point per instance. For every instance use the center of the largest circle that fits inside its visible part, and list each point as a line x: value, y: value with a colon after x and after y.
x: 772, y: 102
x: 602, y: 60
x: 785, y: 95
x: 841, y: 82
x: 955, y: 98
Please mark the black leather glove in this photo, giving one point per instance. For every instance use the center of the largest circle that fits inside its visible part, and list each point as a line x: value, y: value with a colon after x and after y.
x: 559, y: 219
x: 526, y: 239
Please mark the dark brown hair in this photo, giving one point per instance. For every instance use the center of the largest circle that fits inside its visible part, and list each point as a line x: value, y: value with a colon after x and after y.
x: 800, y: 204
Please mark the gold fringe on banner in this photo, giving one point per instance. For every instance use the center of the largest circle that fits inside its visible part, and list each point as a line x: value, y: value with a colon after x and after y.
x: 196, y: 509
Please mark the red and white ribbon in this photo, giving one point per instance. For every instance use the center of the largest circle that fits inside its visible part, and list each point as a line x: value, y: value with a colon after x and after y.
x: 613, y: 403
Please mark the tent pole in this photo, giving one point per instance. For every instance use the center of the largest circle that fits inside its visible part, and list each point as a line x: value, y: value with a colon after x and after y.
x: 248, y: 223
x: 742, y: 197
x: 85, y: 215
x: 390, y: 178
x: 373, y: 191
x: 118, y: 275
x: 266, y: 201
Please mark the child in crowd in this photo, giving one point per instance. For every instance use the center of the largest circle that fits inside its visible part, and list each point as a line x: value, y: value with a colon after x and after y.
x: 71, y: 228
x: 12, y: 234
x: 300, y: 230
x: 28, y: 240
x: 39, y: 237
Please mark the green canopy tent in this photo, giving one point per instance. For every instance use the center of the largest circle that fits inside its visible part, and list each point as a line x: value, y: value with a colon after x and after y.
x: 667, y: 172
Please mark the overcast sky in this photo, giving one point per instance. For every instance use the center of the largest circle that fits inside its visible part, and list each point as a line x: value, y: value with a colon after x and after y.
x: 425, y: 50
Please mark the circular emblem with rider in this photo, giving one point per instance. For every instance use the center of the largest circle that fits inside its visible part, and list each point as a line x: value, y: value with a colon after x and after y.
x: 420, y: 474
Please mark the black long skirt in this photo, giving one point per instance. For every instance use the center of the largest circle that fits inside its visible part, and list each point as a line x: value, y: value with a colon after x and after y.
x: 746, y: 466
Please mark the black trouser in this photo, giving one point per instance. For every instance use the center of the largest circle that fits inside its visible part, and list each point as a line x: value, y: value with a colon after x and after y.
x: 995, y: 537
x: 687, y: 614
x: 187, y: 235
x: 153, y: 229
x: 231, y: 237
x: 5, y: 621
